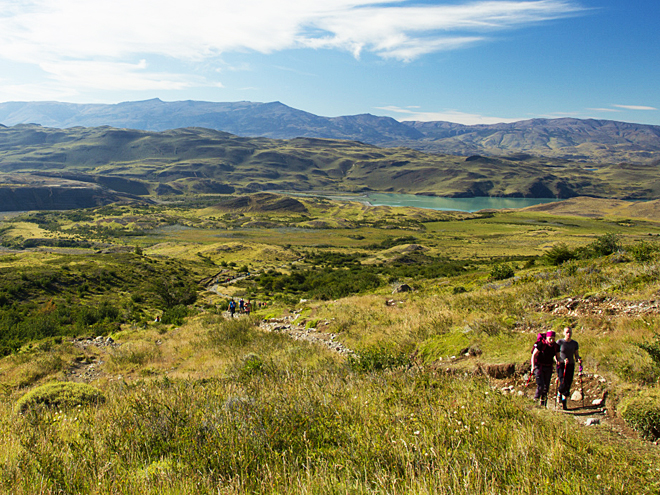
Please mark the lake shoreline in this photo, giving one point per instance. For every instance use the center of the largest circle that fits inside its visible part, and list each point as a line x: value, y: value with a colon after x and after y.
x: 441, y: 203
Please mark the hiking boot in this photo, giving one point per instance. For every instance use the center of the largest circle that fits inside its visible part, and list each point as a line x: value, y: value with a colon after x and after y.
x: 564, y: 404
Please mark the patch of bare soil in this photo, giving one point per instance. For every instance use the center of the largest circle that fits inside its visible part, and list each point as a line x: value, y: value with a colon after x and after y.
x: 87, y: 367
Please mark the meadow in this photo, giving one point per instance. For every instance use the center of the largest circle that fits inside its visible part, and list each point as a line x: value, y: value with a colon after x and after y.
x: 200, y: 403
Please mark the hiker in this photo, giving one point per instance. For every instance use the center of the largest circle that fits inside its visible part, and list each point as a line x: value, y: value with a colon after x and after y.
x: 568, y: 354
x: 248, y: 307
x: 545, y: 352
x: 241, y: 305
x: 232, y: 308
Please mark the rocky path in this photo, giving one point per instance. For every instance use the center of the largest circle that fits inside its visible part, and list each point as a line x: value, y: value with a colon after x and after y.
x: 88, y: 367
x: 287, y: 324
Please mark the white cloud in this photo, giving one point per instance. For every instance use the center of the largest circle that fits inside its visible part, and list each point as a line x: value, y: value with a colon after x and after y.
x: 611, y: 110
x: 94, y: 44
x: 445, y: 116
x: 635, y: 107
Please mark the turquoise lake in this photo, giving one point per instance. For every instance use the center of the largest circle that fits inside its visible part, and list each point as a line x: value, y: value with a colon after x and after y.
x: 454, y: 204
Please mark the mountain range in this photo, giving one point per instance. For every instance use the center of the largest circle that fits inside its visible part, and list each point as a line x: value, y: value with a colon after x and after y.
x: 598, y: 141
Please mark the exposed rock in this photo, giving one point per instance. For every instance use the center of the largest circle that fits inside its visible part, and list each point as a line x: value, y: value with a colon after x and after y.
x: 596, y: 305
x: 286, y: 325
x: 576, y: 396
x: 402, y: 288
x: 592, y: 422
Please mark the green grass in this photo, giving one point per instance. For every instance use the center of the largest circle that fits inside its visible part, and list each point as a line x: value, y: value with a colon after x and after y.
x: 326, y: 430
x: 208, y: 405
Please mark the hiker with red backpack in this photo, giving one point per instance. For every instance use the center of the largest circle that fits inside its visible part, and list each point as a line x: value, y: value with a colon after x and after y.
x: 568, y: 354
x: 544, y: 355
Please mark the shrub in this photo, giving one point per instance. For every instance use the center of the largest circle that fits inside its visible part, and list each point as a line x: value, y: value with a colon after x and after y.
x: 653, y: 349
x: 249, y: 365
x: 642, y: 251
x: 501, y: 272
x: 175, y: 315
x: 379, y: 357
x: 605, y: 245
x: 642, y: 413
x: 558, y: 254
x: 60, y: 395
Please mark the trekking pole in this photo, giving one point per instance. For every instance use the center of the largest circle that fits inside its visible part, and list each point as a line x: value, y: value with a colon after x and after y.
x: 562, y: 381
x: 581, y: 384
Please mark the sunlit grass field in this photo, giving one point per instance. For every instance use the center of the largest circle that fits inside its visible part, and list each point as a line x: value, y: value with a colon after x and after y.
x: 209, y: 405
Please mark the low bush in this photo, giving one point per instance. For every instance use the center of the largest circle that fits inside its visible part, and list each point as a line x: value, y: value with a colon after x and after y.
x: 379, y: 357
x: 643, y: 251
x: 60, y: 395
x: 558, y: 254
x: 653, y: 350
x: 501, y: 272
x: 175, y: 315
x: 642, y: 413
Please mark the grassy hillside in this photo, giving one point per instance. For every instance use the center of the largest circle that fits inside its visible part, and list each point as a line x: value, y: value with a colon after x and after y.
x: 337, y: 384
x: 201, y: 161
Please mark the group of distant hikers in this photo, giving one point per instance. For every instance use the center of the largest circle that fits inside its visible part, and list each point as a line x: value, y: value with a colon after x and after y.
x: 546, y: 353
x: 244, y: 307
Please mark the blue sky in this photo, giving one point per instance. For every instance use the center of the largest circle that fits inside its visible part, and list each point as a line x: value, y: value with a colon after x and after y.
x: 461, y: 61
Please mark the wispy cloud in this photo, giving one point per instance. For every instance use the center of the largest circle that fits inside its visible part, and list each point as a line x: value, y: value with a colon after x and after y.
x: 611, y: 110
x: 111, y: 76
x: 635, y: 107
x: 444, y: 116
x: 97, y: 43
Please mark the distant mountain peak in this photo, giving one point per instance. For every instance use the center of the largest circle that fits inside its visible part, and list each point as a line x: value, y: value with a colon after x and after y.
x: 567, y: 137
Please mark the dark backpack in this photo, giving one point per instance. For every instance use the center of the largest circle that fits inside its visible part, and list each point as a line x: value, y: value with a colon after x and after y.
x: 540, y: 339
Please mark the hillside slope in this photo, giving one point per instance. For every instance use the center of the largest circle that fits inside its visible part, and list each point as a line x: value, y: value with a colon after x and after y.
x: 602, y: 141
x: 203, y: 161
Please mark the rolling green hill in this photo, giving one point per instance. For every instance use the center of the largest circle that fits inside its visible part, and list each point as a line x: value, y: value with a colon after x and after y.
x: 133, y: 163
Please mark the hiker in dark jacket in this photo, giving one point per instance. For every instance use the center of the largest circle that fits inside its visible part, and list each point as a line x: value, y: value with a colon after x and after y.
x: 544, y: 355
x: 568, y: 354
